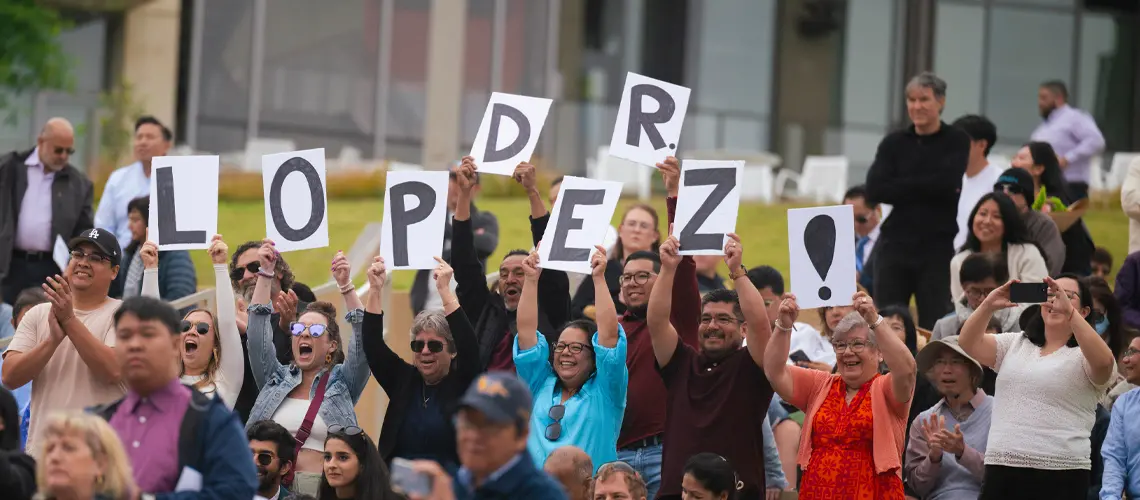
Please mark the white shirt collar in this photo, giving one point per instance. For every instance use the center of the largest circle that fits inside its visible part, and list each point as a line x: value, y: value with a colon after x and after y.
x: 34, y: 159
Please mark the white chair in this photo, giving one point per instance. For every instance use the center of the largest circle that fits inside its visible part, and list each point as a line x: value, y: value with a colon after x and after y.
x: 823, y: 179
x: 1097, y: 176
x: 261, y: 146
x: 1120, y: 162
x: 395, y: 166
x: 758, y: 170
x: 1001, y: 161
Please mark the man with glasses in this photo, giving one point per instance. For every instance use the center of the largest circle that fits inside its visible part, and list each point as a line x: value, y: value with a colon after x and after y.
x: 65, y: 345
x: 274, y: 450
x: 176, y: 438
x: 1121, y: 447
x: 1040, y: 228
x: 867, y: 218
x: 44, y: 198
x: 980, y: 274
x: 152, y: 139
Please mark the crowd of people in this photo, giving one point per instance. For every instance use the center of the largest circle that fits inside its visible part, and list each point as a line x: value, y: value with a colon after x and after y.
x: 652, y: 377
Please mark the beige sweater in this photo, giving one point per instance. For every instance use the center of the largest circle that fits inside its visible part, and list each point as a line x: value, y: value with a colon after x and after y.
x: 1023, y: 259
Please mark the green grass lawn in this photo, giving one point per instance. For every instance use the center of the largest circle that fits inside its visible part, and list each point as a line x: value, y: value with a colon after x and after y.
x: 763, y: 228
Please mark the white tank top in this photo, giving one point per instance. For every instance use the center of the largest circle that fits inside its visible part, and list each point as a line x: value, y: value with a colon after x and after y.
x: 290, y: 415
x: 192, y: 380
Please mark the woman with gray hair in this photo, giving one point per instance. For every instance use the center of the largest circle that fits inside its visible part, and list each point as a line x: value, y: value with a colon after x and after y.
x: 855, y: 419
x: 422, y: 394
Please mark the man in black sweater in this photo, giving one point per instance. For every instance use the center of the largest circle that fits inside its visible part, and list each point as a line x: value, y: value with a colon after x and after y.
x: 918, y: 170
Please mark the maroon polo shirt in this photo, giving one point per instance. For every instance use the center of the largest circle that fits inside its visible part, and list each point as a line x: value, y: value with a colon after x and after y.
x: 502, y: 359
x: 714, y: 407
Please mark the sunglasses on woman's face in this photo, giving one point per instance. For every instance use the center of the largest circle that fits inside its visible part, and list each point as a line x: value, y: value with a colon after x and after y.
x: 265, y: 458
x: 347, y: 430
x: 297, y: 328
x: 239, y: 273
x: 434, y: 346
x: 201, y: 327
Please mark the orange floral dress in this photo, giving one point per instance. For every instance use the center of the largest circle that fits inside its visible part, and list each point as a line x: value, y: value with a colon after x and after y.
x: 842, y: 464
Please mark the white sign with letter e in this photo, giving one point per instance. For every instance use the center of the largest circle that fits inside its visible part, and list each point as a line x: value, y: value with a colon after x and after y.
x: 183, y: 202
x: 649, y: 120
x: 708, y: 201
x: 415, y: 216
x: 296, y: 208
x: 821, y: 246
x: 578, y: 222
x: 509, y: 132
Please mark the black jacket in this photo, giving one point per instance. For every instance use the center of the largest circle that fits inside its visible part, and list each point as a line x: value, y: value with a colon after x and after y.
x: 485, y: 242
x: 479, y: 302
x: 401, y: 381
x: 71, y: 212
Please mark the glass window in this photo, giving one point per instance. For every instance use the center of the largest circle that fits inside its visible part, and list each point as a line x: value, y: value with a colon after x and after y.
x: 867, y: 75
x: 958, y: 54
x: 224, y: 79
x: 1107, y: 75
x: 1027, y: 47
x: 1048, y: 3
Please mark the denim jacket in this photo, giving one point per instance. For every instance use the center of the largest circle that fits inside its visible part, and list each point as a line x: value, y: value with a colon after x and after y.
x: 276, y: 381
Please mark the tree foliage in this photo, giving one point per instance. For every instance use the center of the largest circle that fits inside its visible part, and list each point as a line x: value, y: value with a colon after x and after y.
x: 31, y: 57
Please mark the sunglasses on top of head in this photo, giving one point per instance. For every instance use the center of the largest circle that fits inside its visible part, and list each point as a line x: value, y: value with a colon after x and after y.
x: 297, y: 328
x: 201, y: 327
x: 434, y: 346
x: 347, y: 430
x: 238, y: 273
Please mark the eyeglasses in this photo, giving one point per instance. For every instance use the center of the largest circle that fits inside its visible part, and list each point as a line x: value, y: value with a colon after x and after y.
x: 639, y: 278
x: 238, y: 273
x: 58, y: 150
x: 201, y: 326
x: 347, y: 430
x: 723, y: 319
x: 856, y: 346
x: 265, y: 458
x: 861, y: 219
x: 575, y: 347
x: 554, y: 430
x: 434, y: 346
x: 316, y: 330
x: 1130, y: 352
x: 978, y: 293
x: 91, y: 258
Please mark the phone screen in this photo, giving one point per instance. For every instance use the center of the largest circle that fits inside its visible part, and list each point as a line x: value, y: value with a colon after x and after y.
x: 407, y: 481
x: 1028, y: 293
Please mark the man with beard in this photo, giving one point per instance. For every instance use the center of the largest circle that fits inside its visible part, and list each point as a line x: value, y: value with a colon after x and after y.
x: 718, y: 395
x: 274, y: 450
x: 495, y: 326
x: 1073, y: 134
x: 643, y: 427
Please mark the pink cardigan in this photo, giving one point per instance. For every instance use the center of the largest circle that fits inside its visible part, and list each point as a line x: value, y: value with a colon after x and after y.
x: 810, y: 388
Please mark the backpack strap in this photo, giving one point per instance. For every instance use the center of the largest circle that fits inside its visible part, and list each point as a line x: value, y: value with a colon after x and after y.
x: 190, y: 448
x: 106, y: 411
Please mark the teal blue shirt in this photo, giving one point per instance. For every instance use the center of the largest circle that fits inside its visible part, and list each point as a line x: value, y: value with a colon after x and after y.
x: 593, y: 415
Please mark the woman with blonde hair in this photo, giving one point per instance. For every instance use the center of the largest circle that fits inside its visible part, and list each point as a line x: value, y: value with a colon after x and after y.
x: 204, y: 336
x: 81, y: 458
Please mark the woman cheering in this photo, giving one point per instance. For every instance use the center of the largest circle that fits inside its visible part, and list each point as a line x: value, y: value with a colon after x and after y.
x: 322, y: 377
x: 423, y: 394
x: 580, y: 399
x: 1050, y: 377
x: 852, y: 441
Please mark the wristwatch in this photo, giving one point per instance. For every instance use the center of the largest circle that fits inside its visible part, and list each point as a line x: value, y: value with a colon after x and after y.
x: 740, y: 273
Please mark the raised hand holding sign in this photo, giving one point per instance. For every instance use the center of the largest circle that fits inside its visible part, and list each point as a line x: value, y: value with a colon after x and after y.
x: 821, y: 245
x: 183, y: 202
x: 509, y: 132
x: 708, y: 201
x: 649, y: 120
x: 578, y: 223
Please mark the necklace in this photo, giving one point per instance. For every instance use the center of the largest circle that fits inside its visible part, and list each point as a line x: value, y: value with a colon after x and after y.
x: 423, y: 393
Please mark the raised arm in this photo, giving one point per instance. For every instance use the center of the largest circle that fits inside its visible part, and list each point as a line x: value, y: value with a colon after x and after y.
x: 148, y: 252
x: 471, y: 284
x: 525, y: 176
x: 467, y: 361
x: 355, y: 368
x: 973, y: 337
x: 98, y: 356
x: 526, y: 316
x: 259, y: 330
x: 232, y: 367
x: 895, y: 352
x: 661, y: 330
x: 686, y: 311
x: 779, y: 342
x: 751, y: 302
x: 604, y: 307
x: 1102, y: 364
x: 388, y: 368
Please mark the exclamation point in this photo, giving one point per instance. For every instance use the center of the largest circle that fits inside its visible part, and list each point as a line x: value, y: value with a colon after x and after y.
x: 819, y: 241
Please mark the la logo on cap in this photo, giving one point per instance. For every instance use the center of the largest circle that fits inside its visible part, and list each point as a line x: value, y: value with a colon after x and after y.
x: 492, y: 388
x: 94, y: 234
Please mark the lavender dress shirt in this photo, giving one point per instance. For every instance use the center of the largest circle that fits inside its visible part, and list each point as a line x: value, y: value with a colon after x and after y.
x: 33, y: 228
x: 1073, y: 135
x: 148, y: 428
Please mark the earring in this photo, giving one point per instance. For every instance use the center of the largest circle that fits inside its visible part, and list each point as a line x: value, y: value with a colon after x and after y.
x: 328, y: 358
x: 99, y: 480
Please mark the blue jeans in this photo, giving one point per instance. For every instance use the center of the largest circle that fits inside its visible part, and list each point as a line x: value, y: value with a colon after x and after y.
x: 647, y: 462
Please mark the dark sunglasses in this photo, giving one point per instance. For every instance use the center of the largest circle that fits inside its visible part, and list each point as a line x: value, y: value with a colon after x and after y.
x: 861, y: 219
x: 297, y: 328
x: 69, y: 151
x: 554, y: 430
x: 347, y: 430
x: 265, y: 458
x: 434, y: 346
x: 239, y: 273
x: 201, y: 326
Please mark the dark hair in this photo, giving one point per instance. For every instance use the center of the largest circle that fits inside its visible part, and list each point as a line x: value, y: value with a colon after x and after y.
x: 1101, y: 255
x: 281, y: 268
x: 299, y: 496
x: 724, y: 296
x: 767, y: 277
x: 858, y: 192
x: 557, y: 180
x: 142, y: 206
x: 646, y: 255
x: 333, y: 330
x: 903, y: 313
x: 619, y: 249
x: 270, y: 431
x: 1013, y: 231
x: 303, y: 292
x: 167, y: 135
x: 1118, y: 335
x: 1035, y: 327
x: 977, y: 267
x: 517, y: 252
x: 10, y: 417
x: 149, y: 308
x: 1051, y: 179
x: 979, y: 128
x: 372, y: 479
x: 714, y: 473
x: 586, y: 325
x: 1057, y: 87
x: 27, y: 299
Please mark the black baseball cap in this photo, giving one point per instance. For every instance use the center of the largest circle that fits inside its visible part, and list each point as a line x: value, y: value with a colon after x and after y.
x: 1019, y: 178
x: 103, y: 239
x: 500, y: 396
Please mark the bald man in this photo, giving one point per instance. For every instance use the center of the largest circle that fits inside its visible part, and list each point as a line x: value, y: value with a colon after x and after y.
x: 573, y: 468
x: 52, y: 199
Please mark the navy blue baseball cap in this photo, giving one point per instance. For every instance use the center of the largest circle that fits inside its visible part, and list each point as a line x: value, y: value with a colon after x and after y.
x: 103, y: 239
x: 500, y: 396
